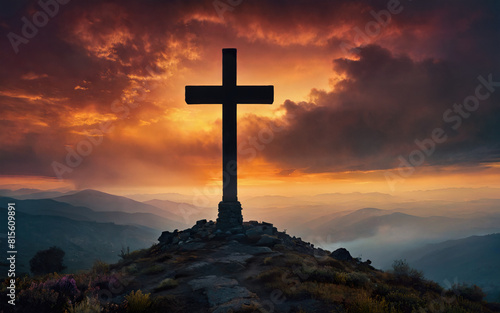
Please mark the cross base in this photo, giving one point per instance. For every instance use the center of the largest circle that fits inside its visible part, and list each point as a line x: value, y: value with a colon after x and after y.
x: 230, y: 217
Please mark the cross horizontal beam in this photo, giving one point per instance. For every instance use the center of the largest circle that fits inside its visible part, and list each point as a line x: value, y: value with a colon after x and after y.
x: 236, y: 94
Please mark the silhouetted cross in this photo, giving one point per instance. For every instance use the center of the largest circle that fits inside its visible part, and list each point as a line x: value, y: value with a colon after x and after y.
x: 229, y: 95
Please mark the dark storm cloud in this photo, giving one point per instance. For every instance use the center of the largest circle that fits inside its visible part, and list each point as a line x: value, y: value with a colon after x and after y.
x: 383, y: 105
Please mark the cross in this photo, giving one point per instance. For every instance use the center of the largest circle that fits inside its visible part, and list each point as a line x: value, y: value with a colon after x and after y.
x: 229, y: 95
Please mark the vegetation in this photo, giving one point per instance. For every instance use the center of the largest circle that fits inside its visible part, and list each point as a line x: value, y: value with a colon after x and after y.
x: 404, y: 273
x: 298, y: 279
x: 350, y: 287
x: 137, y: 302
x: 167, y: 283
x: 88, y: 305
x: 47, y: 261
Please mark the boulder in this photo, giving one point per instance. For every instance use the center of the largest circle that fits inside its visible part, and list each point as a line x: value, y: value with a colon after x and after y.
x: 223, y: 294
x: 268, y: 241
x: 166, y: 237
x: 341, y: 254
x: 184, y: 235
x: 237, y: 237
x: 200, y: 223
x: 256, y: 232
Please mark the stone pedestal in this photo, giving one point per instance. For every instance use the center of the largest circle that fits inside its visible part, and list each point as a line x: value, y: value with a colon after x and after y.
x: 230, y: 216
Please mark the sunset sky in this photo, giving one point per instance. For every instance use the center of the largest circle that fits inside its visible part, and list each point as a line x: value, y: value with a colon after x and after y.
x: 382, y: 96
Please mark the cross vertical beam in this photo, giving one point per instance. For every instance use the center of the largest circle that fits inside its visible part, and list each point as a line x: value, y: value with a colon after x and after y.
x: 229, y: 130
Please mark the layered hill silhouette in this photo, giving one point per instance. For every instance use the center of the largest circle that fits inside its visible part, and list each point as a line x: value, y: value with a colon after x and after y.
x: 104, y: 202
x: 473, y: 259
x: 114, y: 223
x: 83, y: 241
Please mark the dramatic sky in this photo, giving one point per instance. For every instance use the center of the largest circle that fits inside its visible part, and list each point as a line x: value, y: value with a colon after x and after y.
x: 369, y: 95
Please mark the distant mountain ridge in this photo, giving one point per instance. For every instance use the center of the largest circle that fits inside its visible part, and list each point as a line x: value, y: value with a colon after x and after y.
x: 368, y: 222
x: 105, y: 202
x: 82, y: 241
x: 473, y: 259
x: 50, y: 207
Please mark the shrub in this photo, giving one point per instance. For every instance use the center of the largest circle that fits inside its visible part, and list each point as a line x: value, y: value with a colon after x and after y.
x: 356, y: 279
x: 137, y: 302
x: 472, y: 293
x: 167, y: 283
x: 331, y: 262
x: 106, y: 282
x: 47, y: 261
x: 323, y: 275
x: 405, y: 300
x: 88, y: 305
x: 124, y: 253
x: 66, y: 286
x: 99, y: 267
x: 50, y: 296
x: 271, y: 275
x: 134, y: 255
x: 363, y: 303
x: 404, y: 273
x: 322, y: 291
x: 39, y: 300
x: 340, y: 278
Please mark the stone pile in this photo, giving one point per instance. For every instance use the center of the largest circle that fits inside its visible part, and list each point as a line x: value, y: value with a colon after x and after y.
x: 252, y: 233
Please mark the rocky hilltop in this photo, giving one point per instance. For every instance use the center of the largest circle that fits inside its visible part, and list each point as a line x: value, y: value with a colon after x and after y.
x: 256, y: 268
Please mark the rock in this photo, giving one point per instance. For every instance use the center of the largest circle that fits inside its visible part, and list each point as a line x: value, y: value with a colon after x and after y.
x: 197, y: 266
x: 268, y: 241
x: 202, y: 233
x: 238, y: 237
x: 200, y: 223
x: 218, y: 295
x: 237, y: 257
x: 166, y: 237
x: 211, y: 281
x: 244, y: 249
x: 222, y: 293
x: 192, y: 246
x: 237, y: 230
x: 341, y: 254
x: 183, y: 236
x: 256, y: 232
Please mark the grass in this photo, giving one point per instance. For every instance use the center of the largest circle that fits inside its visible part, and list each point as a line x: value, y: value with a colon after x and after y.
x: 137, y: 302
x: 345, y: 286
x: 167, y: 283
x: 153, y: 269
x: 89, y: 305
